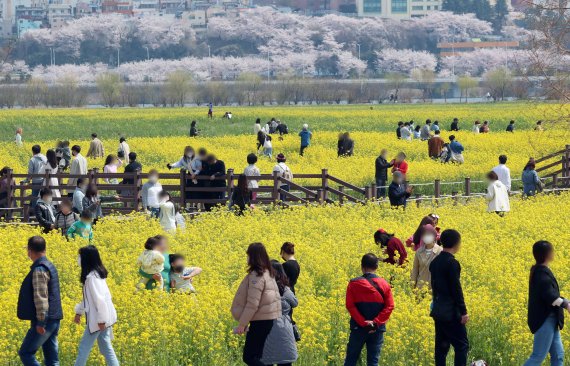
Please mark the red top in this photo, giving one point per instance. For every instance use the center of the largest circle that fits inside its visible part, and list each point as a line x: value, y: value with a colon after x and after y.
x: 395, y: 245
x: 400, y: 167
x: 364, y: 302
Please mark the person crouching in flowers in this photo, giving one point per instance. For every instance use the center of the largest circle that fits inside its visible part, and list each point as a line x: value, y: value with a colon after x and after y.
x: 82, y: 228
x: 391, y: 245
x: 151, y: 262
x: 97, y: 307
x: 257, y: 304
x: 181, y: 276
x: 425, y: 254
x: 497, y: 195
x: 545, y: 308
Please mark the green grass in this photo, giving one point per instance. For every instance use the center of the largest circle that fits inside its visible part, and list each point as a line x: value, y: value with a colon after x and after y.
x: 72, y: 124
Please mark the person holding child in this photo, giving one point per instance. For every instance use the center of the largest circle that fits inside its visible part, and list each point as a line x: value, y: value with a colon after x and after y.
x: 181, y: 277
x: 164, y: 275
x: 151, y: 262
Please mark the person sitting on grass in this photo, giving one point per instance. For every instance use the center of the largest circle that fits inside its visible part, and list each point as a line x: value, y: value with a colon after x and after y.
x: 82, y: 228
x: 181, y: 276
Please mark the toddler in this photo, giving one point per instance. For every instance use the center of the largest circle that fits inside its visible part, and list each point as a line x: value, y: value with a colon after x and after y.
x: 151, y: 262
x: 180, y: 275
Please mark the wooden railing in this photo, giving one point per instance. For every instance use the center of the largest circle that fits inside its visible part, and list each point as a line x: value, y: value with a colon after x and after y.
x: 126, y: 198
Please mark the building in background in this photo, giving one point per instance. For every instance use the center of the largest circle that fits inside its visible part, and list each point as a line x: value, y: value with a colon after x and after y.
x: 396, y: 9
x: 455, y: 48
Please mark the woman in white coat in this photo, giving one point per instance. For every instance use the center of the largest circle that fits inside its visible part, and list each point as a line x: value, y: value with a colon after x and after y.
x: 97, y: 307
x: 497, y: 195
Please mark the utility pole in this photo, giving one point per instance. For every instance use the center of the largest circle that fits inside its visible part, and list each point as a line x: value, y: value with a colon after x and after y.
x: 358, y: 45
x: 268, y: 67
x: 209, y: 62
x: 118, y: 57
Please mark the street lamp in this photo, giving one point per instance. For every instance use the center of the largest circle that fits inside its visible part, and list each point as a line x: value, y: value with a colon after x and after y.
x: 268, y: 67
x: 147, y: 54
x: 358, y: 45
x: 118, y: 57
x: 209, y: 62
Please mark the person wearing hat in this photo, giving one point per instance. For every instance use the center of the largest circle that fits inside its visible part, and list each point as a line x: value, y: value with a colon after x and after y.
x: 370, y: 303
x: 398, y: 193
x: 305, y: 135
x: 281, y: 170
x: 391, y: 246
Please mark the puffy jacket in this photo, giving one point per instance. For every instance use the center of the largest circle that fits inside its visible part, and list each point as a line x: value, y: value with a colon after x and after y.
x: 364, y: 302
x: 257, y: 298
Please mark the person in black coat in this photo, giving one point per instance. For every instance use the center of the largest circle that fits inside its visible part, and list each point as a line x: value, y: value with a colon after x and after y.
x: 381, y: 175
x: 44, y: 211
x: 545, y: 308
x: 398, y: 192
x: 454, y: 125
x: 448, y: 305
x: 399, y: 130
x: 215, y: 169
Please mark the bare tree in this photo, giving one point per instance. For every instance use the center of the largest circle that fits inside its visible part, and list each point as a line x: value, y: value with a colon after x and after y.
x: 110, y: 86
x: 178, y: 86
x: 498, y: 81
x: 466, y: 84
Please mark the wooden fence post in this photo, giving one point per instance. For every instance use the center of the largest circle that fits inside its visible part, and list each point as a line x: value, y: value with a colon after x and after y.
x: 45, y: 183
x: 137, y: 189
x: 367, y: 193
x: 183, y: 189
x: 418, y: 200
x: 455, y: 198
x: 93, y: 175
x: 554, y: 183
x: 341, y: 197
x: 10, y: 197
x: 25, y: 206
x: 437, y: 188
x: 275, y: 191
x: 468, y: 186
x: 230, y: 182
x: 567, y: 172
x: 325, y: 183
x: 374, y: 191
x: 320, y: 196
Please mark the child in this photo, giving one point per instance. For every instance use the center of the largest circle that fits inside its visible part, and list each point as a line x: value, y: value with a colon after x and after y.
x: 83, y: 227
x: 65, y: 217
x: 179, y: 218
x: 268, y: 147
x: 151, y: 262
x: 167, y: 214
x: 180, y: 275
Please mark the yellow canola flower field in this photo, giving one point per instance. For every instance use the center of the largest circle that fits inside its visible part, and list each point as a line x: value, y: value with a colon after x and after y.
x: 481, y: 153
x: 157, y: 329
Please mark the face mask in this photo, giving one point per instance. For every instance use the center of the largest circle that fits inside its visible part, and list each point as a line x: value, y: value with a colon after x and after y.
x: 428, y: 239
x: 189, y: 155
x: 48, y: 201
x: 79, y: 260
x: 153, y: 179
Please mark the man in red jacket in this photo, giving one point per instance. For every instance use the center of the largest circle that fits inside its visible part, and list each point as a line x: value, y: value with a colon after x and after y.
x: 369, y: 301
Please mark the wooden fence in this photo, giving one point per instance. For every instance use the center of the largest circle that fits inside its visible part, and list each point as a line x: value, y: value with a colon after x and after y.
x: 318, y: 188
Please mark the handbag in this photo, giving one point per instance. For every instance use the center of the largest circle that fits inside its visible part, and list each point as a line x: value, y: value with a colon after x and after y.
x: 444, y: 310
x: 296, y: 333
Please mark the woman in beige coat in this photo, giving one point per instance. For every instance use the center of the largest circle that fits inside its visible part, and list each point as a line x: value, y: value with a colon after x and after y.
x: 421, y: 275
x: 256, y: 304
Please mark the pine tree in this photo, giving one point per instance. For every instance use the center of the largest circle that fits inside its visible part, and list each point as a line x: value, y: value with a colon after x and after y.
x: 483, y: 10
x: 501, y: 13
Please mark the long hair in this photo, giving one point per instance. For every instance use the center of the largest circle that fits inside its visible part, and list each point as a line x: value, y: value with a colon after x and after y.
x: 109, y: 159
x: 91, y: 261
x: 258, y: 260
x: 280, y: 276
x: 427, y: 220
x: 540, y: 251
x: 51, y: 158
x: 242, y: 185
x: 91, y: 191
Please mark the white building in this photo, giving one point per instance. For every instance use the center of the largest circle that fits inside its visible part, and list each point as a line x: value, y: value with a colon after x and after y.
x: 397, y: 9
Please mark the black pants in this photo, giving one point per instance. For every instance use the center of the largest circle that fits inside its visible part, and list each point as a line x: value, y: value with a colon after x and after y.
x: 302, y: 150
x: 451, y: 334
x: 255, y: 341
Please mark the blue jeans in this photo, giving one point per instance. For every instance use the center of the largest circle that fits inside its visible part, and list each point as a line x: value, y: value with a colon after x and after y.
x: 380, y: 188
x: 283, y: 196
x: 154, y: 212
x: 105, y: 347
x: 48, y: 342
x: 547, y: 340
x: 360, y: 337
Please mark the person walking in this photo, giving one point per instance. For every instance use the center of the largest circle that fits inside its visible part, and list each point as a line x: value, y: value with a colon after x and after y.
x: 257, y: 304
x: 381, y: 173
x: 456, y: 150
x: 425, y: 130
x: 150, y: 193
x: 280, y: 347
x: 290, y: 266
x: 530, y: 180
x: 435, y: 145
x: 96, y: 149
x: 112, y: 164
x: 78, y: 165
x: 398, y: 192
x: 124, y: 149
x: 39, y: 302
x: 18, y: 138
x: 251, y: 170
x: 421, y: 275
x: 305, y: 135
x: 503, y: 172
x: 92, y: 202
x: 545, y: 308
x: 37, y: 161
x: 210, y: 110
x: 97, y: 306
x: 448, y: 305
x: 282, y: 170
x: 497, y: 195
x: 370, y: 303
x: 52, y: 166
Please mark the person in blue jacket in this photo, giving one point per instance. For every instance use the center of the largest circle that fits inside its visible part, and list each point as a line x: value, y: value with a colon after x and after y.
x: 305, y: 135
